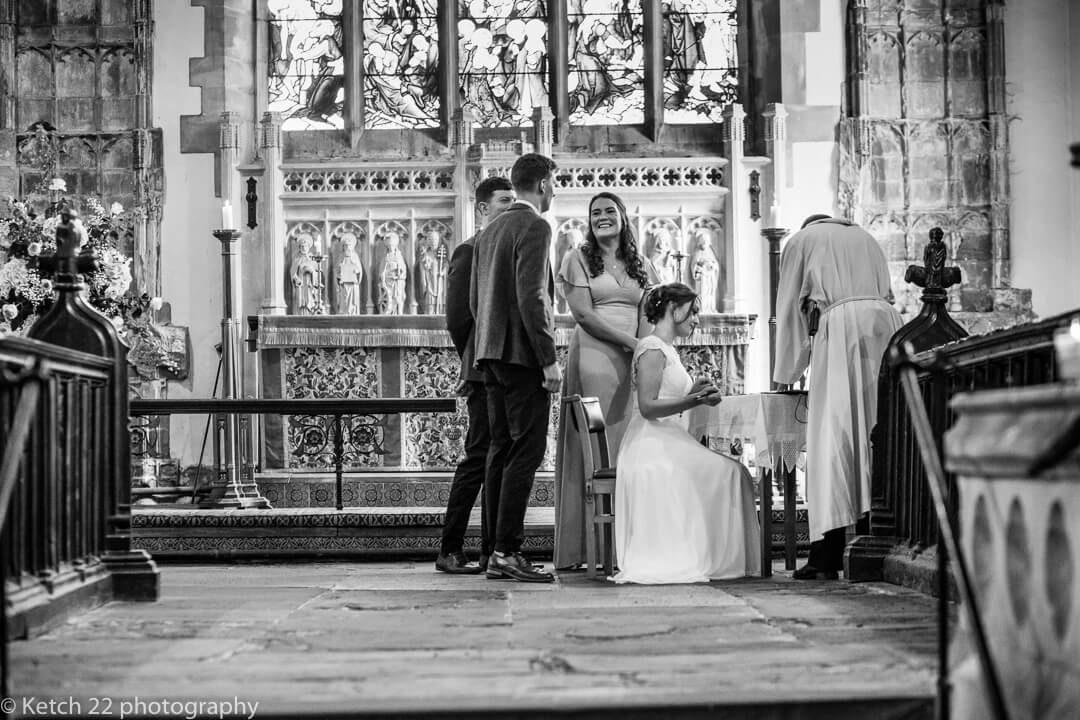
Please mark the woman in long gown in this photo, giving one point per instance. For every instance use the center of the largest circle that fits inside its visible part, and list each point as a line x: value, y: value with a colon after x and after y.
x: 683, y: 513
x: 602, y: 281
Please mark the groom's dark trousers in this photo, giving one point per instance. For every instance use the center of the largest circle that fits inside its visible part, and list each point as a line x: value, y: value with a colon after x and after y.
x: 518, y: 407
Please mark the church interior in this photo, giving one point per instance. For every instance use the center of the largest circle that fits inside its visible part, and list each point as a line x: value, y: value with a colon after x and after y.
x: 248, y: 361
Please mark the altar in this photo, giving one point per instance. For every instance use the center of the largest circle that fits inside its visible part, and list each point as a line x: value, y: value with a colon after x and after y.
x: 411, y: 356
x: 356, y: 281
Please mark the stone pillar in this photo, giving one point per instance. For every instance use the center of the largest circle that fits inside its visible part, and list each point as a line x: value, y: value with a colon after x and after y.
x: 654, y: 70
x: 144, y: 61
x: 228, y: 147
x: 774, y: 229
x: 273, y: 215
x: 147, y: 230
x: 353, y: 48
x: 775, y: 117
x: 737, y: 213
x: 461, y: 139
x: 543, y: 133
x: 558, y: 68
x: 448, y: 64
x: 999, y: 143
x: 858, y: 89
x: 9, y: 171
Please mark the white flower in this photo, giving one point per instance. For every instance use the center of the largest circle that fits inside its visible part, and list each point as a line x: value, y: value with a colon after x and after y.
x: 18, y: 278
x: 47, y: 286
x: 33, y: 248
x: 10, y: 311
x: 49, y: 226
x: 155, y: 303
x: 118, y: 323
x: 80, y: 232
x: 58, y: 184
x: 116, y: 208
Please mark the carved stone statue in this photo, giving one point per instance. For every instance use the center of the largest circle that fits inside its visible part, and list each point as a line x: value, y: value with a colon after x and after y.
x: 570, y: 240
x: 662, y: 256
x: 349, y: 272
x: 432, y: 270
x: 705, y: 270
x: 392, y: 277
x: 306, y: 278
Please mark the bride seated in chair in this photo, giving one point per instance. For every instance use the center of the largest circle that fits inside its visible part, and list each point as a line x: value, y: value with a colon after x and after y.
x: 683, y: 512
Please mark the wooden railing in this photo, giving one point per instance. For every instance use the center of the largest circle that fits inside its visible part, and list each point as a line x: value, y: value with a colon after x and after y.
x: 63, y: 491
x: 1015, y: 357
x: 66, y: 541
x: 902, y: 519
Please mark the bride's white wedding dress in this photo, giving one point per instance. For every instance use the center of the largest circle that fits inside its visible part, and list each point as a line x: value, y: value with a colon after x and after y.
x: 683, y: 513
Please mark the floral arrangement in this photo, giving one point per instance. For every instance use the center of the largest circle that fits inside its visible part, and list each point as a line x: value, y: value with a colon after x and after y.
x: 25, y: 294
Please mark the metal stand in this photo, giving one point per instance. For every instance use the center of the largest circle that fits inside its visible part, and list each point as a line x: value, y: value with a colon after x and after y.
x: 234, y: 488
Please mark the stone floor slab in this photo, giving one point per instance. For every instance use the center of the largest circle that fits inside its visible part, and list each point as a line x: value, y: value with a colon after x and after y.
x: 399, y: 638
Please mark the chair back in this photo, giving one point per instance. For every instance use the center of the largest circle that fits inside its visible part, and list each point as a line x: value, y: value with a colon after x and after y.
x: 591, y: 430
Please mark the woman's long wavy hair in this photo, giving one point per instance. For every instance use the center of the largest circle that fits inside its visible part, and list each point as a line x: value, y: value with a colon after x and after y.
x: 627, y: 250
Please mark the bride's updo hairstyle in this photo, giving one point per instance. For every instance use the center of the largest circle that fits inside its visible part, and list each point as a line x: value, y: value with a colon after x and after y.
x: 675, y: 294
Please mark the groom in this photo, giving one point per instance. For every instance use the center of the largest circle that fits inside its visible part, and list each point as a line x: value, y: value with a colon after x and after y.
x: 511, y: 296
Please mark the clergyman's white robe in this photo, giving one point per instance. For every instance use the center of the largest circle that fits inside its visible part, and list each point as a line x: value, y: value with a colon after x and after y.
x: 842, y: 268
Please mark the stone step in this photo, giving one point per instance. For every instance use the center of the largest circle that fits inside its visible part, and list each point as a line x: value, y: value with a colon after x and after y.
x: 406, y: 531
x: 376, y: 489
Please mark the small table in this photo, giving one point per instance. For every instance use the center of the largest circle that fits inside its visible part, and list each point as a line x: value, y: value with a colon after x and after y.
x: 776, y: 423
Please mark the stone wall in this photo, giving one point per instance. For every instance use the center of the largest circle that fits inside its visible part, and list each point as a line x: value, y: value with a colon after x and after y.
x: 925, y: 142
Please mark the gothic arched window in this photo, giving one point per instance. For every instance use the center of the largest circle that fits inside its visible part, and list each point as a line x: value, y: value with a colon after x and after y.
x: 502, y: 60
x: 599, y: 57
x: 400, y: 61
x: 305, y: 68
x: 606, y: 50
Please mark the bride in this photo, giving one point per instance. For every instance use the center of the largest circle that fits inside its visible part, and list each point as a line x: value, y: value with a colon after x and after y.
x: 684, y: 513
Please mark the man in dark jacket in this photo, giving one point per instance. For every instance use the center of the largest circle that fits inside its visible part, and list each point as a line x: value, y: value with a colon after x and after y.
x: 493, y: 195
x: 511, y: 298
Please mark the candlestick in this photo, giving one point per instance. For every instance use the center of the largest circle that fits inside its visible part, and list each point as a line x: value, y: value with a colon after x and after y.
x: 226, y: 215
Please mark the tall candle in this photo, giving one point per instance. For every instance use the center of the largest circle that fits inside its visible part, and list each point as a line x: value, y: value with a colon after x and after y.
x: 226, y: 215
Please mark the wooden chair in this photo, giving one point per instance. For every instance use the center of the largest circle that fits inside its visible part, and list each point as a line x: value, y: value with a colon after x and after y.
x: 599, y: 505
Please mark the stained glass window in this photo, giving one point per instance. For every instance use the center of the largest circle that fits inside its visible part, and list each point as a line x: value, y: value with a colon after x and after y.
x: 700, y: 59
x: 306, y: 71
x: 607, y: 62
x: 502, y: 59
x: 401, y: 57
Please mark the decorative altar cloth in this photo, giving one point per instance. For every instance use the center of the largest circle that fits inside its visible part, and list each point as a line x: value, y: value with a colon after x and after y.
x: 775, y: 422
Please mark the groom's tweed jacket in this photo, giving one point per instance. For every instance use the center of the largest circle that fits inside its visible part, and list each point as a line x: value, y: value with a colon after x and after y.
x: 513, y: 289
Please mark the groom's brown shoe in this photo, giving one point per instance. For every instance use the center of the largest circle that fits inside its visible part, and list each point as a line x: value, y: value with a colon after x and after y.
x: 515, y: 567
